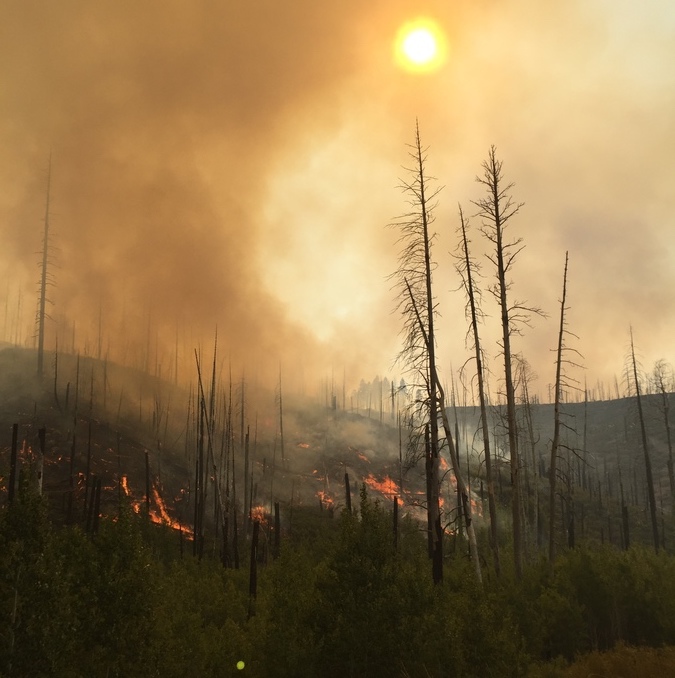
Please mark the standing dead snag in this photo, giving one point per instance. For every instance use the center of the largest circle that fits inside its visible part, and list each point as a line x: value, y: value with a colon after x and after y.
x: 462, y: 491
x: 560, y: 381
x: 496, y: 211
x: 662, y: 378
x: 45, y: 280
x: 417, y: 306
x: 645, y: 447
x: 467, y: 268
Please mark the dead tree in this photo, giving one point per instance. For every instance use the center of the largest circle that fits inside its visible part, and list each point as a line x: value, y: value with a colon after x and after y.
x: 45, y: 281
x: 467, y: 269
x: 529, y: 464
x: 662, y: 378
x: 464, y: 504
x: 553, y: 471
x: 496, y: 210
x: 645, y: 446
x: 281, y: 421
x: 418, y: 308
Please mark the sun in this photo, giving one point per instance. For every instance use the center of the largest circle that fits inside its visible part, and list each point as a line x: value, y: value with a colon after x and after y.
x: 420, y: 46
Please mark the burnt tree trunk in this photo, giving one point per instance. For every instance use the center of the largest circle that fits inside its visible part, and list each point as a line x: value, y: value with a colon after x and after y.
x: 645, y: 449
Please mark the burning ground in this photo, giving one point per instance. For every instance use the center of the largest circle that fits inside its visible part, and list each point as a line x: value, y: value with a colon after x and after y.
x: 136, y: 436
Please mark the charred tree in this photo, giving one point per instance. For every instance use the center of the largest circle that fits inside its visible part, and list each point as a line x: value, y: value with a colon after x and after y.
x: 530, y: 466
x: 395, y: 525
x: 645, y: 447
x: 553, y: 470
x: 276, y: 546
x: 496, y: 211
x: 13, y: 464
x: 662, y: 378
x: 253, y: 570
x: 467, y: 268
x: 417, y: 305
x: 348, y: 494
x: 464, y: 504
x: 281, y: 422
x: 45, y: 281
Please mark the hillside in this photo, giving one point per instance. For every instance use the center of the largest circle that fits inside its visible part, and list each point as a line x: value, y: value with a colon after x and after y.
x: 107, y: 419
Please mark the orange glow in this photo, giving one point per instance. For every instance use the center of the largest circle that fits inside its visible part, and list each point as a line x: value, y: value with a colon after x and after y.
x: 325, y: 498
x: 160, y: 516
x: 387, y: 487
x: 259, y: 514
x: 420, y: 46
x: 161, y: 506
x: 125, y: 485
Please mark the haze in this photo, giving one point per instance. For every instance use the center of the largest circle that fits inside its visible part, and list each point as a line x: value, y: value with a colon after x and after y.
x: 234, y: 165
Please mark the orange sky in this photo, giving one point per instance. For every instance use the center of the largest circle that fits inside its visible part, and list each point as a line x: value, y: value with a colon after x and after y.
x: 236, y: 164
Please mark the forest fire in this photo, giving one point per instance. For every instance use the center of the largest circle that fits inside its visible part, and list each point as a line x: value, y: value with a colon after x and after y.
x: 259, y: 514
x: 161, y: 506
x: 388, y: 487
x: 325, y: 499
x: 160, y: 515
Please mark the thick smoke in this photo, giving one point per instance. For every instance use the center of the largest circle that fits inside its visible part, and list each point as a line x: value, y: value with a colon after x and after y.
x: 233, y: 164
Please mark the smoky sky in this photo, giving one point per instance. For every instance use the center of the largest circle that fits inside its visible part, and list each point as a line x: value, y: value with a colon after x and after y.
x: 234, y: 165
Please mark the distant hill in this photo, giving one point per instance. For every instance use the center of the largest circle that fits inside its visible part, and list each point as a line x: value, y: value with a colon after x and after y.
x: 108, y: 418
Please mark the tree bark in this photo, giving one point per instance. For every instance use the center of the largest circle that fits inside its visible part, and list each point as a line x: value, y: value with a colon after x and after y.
x: 492, y: 504
x: 556, y: 424
x: 645, y: 449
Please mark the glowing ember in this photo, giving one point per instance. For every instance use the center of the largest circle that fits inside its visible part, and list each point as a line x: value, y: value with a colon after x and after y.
x: 303, y: 445
x: 259, y: 514
x: 325, y: 498
x: 161, y: 506
x: 363, y: 457
x: 160, y: 515
x: 387, y: 487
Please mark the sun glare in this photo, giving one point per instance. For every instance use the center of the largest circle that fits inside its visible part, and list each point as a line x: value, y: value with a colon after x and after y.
x: 420, y: 46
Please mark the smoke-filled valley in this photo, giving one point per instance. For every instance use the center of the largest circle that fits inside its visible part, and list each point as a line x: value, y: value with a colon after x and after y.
x: 336, y: 338
x: 102, y: 445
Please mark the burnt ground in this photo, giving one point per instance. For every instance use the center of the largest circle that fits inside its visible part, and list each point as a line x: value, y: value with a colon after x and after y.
x: 111, y: 417
x: 79, y: 435
x: 101, y: 421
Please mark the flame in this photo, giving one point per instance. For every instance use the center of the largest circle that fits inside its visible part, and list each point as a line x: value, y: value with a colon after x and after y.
x: 387, y: 487
x: 159, y: 516
x: 325, y: 498
x: 161, y: 506
x: 259, y: 514
x: 476, y: 508
x: 303, y: 445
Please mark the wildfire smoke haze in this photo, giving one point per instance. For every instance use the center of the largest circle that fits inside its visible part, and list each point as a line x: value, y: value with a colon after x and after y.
x: 233, y: 166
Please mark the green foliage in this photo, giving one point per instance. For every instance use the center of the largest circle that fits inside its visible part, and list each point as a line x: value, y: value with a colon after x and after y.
x: 624, y: 661
x: 339, y: 601
x: 200, y: 613
x: 36, y: 605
